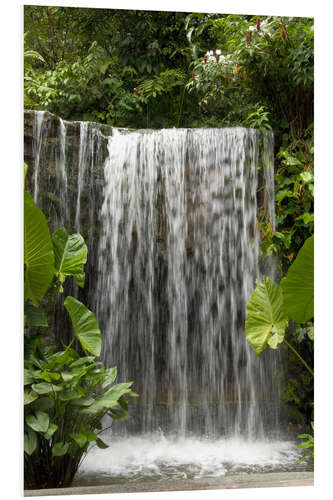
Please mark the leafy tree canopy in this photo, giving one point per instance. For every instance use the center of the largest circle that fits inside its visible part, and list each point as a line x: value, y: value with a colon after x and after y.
x: 142, y: 69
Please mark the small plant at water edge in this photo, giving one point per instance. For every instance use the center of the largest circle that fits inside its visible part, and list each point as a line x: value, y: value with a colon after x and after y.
x: 66, y: 397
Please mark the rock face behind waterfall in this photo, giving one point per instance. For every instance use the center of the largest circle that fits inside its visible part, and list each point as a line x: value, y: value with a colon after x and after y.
x: 170, y: 219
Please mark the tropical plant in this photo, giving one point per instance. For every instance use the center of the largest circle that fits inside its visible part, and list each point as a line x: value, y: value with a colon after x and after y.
x: 307, y: 443
x: 66, y: 398
x: 66, y: 395
x: 294, y: 181
x: 258, y: 119
x: 94, y: 72
x: 267, y: 60
x: 271, y: 307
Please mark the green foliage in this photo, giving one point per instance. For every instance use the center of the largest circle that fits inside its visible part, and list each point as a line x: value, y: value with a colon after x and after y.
x: 94, y: 73
x: 270, y: 306
x: 86, y: 328
x: 63, y: 418
x: 307, y: 444
x: 258, y: 119
x: 162, y: 83
x: 70, y: 254
x: 38, y: 252
x: 66, y: 396
x: 294, y: 181
x: 266, y: 60
x: 268, y: 313
x: 115, y: 66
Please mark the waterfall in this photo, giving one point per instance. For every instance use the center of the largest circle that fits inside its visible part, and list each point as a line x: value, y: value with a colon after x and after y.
x: 170, y: 221
x: 169, y: 217
x: 178, y: 258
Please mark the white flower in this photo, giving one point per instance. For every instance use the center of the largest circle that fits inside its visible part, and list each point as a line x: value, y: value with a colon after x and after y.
x: 218, y: 52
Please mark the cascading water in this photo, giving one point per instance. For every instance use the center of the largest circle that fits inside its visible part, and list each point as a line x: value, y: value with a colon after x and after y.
x: 37, y: 141
x: 170, y: 219
x: 178, y: 259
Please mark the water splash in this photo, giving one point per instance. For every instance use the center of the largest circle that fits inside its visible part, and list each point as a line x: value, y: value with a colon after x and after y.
x: 154, y: 457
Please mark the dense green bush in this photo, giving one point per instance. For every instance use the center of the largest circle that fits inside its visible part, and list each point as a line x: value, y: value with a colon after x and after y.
x: 163, y: 69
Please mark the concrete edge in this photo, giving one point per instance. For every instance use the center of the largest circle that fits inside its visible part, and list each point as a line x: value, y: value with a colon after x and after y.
x: 243, y: 480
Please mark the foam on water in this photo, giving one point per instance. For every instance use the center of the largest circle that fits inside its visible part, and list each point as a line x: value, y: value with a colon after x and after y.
x: 155, y: 456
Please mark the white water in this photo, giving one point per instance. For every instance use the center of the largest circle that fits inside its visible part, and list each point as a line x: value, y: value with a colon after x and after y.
x: 81, y: 170
x: 61, y: 175
x: 37, y: 142
x: 155, y: 457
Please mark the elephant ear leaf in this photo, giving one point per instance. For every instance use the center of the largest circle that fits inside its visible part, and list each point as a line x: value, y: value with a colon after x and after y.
x: 297, y: 286
x: 70, y: 255
x: 265, y: 321
x: 38, y: 252
x: 86, y: 328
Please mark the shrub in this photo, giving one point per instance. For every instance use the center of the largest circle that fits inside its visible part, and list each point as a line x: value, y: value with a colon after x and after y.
x: 66, y: 395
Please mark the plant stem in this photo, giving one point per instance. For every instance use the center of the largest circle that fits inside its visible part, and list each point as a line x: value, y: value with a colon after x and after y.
x: 299, y: 357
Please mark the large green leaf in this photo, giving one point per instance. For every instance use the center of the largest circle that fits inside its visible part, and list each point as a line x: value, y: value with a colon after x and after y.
x: 29, y: 396
x: 111, y: 376
x: 68, y: 395
x: 45, y: 388
x: 116, y: 391
x: 110, y: 398
x: 265, y: 322
x: 297, y: 286
x: 101, y: 444
x: 60, y: 449
x: 38, y: 423
x: 50, y: 376
x: 70, y: 253
x: 119, y: 414
x: 79, y: 438
x: 86, y: 327
x: 100, y: 406
x: 38, y: 252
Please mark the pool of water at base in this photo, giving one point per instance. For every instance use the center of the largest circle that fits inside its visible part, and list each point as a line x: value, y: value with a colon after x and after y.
x: 154, y: 457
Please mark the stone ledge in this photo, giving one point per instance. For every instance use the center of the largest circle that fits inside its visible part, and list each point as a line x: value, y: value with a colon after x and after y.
x: 242, y: 480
